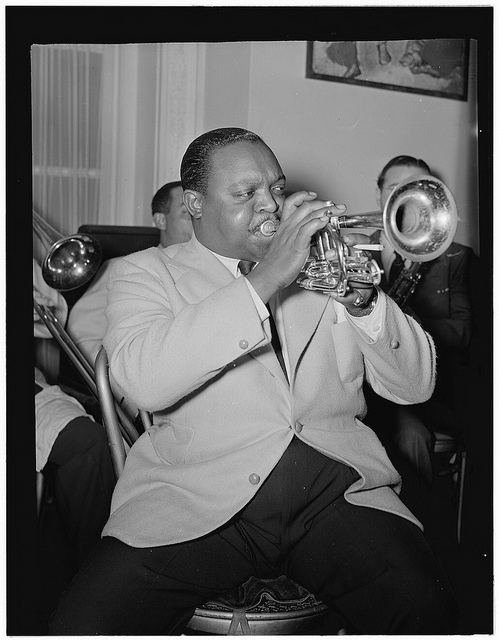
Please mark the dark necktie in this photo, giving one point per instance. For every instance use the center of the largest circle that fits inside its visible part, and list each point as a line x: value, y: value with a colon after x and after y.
x: 245, y: 267
x: 396, y: 268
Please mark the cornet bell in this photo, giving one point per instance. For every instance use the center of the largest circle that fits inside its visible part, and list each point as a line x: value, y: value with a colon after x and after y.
x: 72, y: 262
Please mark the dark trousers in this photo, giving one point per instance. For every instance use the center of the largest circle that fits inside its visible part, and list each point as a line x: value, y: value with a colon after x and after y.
x: 375, y: 567
x: 83, y: 481
x: 404, y: 433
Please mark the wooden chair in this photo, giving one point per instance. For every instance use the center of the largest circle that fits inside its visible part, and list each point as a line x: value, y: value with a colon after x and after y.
x: 445, y: 443
x: 255, y: 608
x: 40, y: 489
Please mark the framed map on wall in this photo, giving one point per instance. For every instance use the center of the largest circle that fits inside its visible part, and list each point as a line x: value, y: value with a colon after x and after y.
x: 436, y: 67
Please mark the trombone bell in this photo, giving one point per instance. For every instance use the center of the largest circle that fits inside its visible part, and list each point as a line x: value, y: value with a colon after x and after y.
x: 71, y: 262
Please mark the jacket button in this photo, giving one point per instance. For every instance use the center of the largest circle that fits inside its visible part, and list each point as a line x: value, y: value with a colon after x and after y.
x: 243, y: 344
x: 254, y: 478
x: 394, y: 344
x: 298, y: 427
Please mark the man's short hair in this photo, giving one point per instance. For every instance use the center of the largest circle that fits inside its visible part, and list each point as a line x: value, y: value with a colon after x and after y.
x: 196, y: 163
x: 163, y: 197
x: 403, y: 161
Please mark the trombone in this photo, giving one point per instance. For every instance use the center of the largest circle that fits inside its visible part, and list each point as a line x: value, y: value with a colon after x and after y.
x: 70, y: 263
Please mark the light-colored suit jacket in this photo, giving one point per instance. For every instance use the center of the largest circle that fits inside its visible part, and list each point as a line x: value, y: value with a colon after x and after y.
x: 186, y: 342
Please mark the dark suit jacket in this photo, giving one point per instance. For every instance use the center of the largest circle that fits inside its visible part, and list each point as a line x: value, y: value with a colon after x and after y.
x: 442, y: 302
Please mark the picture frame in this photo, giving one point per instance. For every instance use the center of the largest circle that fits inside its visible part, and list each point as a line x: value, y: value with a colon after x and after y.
x: 436, y: 67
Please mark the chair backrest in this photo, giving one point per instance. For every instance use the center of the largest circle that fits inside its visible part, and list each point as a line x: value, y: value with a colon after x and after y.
x: 121, y: 240
x: 118, y: 427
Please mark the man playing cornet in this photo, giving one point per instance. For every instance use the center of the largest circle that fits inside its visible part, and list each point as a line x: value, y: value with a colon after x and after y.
x: 253, y: 467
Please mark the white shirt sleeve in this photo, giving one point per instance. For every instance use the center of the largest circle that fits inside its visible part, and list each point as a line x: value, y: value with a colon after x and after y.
x: 369, y: 325
x: 54, y: 409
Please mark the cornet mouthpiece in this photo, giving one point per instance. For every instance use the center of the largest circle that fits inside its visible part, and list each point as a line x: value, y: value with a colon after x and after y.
x: 268, y: 228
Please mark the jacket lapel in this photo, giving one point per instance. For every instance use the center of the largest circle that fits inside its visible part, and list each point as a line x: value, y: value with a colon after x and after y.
x: 198, y: 273
x: 302, y: 311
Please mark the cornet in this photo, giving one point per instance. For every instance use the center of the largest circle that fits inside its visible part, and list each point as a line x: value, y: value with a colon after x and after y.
x: 419, y: 219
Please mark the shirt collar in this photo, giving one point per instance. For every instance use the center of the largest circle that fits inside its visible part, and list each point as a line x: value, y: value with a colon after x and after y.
x: 230, y: 263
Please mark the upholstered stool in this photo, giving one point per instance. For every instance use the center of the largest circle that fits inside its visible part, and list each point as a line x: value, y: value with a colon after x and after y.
x: 260, y: 607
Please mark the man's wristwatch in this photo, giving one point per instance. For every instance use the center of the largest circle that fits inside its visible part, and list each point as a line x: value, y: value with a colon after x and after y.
x: 365, y: 310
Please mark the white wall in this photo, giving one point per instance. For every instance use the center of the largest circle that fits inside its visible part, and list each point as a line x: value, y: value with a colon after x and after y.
x: 334, y: 138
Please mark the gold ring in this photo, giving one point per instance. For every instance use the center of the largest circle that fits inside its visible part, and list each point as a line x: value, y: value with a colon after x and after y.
x: 359, y: 302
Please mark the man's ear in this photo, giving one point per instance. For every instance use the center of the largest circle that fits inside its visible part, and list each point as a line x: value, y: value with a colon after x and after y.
x: 378, y: 197
x: 193, y: 200
x: 159, y: 220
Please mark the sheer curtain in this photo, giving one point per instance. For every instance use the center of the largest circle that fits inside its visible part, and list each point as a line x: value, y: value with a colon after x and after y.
x: 110, y: 125
x: 66, y: 107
